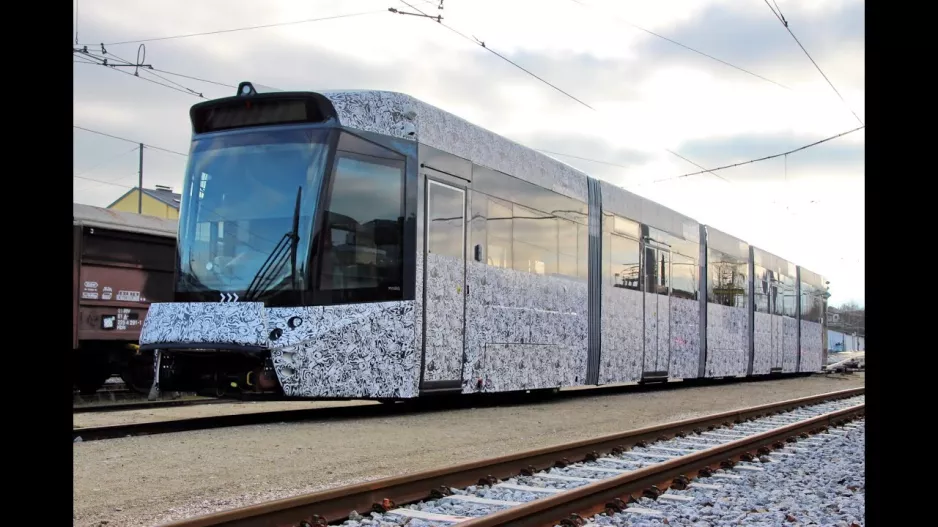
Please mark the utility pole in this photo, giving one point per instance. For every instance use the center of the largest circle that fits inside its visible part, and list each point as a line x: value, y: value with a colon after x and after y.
x: 140, y: 183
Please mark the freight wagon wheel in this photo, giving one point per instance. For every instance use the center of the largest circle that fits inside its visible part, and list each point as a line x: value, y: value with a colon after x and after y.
x: 138, y: 373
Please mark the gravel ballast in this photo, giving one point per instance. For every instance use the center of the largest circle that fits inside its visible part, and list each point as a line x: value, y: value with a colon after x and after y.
x: 823, y: 485
x: 142, y: 481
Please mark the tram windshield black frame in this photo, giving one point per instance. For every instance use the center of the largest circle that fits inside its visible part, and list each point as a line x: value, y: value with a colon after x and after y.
x: 259, y: 211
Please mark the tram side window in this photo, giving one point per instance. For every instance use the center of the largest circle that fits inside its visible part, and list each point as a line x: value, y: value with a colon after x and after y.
x: 786, y: 297
x: 684, y: 277
x: 534, y: 241
x: 567, y: 247
x: 498, y: 233
x: 583, y: 242
x: 763, y: 286
x: 811, y: 303
x: 726, y: 279
x: 625, y: 258
x: 362, y: 245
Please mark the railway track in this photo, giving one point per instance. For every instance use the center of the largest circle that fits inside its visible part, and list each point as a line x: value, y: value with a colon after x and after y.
x: 364, y: 410
x: 629, y: 473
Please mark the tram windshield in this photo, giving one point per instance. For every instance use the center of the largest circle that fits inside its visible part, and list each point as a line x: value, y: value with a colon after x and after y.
x: 247, y: 212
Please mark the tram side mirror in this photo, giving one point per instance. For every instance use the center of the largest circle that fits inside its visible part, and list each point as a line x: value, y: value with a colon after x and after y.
x: 478, y: 253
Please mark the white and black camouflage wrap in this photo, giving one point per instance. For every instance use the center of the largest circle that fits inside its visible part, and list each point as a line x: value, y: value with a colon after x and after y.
x: 812, y: 346
x: 355, y: 350
x: 766, y: 343
x: 524, y: 331
x: 383, y: 112
x: 443, y: 347
x: 685, y: 338
x: 727, y: 341
x: 622, y: 334
x: 239, y: 323
x: 657, y: 332
x: 790, y: 345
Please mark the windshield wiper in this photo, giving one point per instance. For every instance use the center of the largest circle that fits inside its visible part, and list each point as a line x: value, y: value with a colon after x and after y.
x: 284, y: 251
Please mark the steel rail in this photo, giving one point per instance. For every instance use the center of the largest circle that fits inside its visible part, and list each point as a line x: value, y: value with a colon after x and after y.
x: 336, y: 504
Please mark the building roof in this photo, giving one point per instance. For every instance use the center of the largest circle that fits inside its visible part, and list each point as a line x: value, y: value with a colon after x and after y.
x: 167, y: 197
x: 89, y: 216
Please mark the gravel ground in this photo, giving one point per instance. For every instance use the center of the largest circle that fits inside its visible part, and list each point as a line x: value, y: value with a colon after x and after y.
x: 146, y: 415
x: 143, y: 481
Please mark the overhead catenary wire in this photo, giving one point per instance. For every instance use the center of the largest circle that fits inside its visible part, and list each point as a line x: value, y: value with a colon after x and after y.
x: 103, y: 181
x: 144, y: 79
x: 103, y: 60
x: 697, y: 51
x: 482, y: 43
x: 247, y: 28
x: 194, y: 78
x: 492, y: 51
x: 781, y: 18
x: 765, y: 158
x: 119, y: 138
x: 107, y: 162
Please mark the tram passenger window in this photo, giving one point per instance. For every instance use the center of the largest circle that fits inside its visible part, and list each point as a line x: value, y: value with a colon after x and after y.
x: 762, y: 284
x: 362, y: 240
x: 626, y: 262
x: 810, y: 303
x: 446, y: 217
x: 727, y: 279
x: 477, y: 215
x: 786, y: 297
x: 567, y: 247
x: 683, y: 276
x: 583, y: 240
x: 534, y: 241
x: 498, y: 231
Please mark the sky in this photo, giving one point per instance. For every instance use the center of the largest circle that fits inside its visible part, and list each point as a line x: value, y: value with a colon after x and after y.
x: 648, y: 96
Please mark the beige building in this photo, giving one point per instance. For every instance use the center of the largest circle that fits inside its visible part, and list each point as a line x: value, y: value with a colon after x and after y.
x: 161, y: 202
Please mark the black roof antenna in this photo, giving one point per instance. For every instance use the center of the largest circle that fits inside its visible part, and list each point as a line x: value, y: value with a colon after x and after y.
x: 246, y: 89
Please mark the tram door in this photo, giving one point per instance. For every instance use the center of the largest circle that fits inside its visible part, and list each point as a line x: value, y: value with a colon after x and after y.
x: 444, y: 282
x: 657, y: 267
